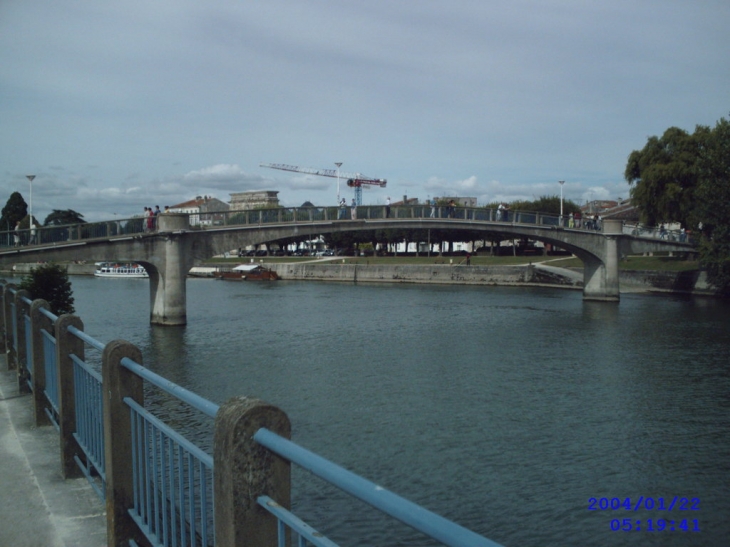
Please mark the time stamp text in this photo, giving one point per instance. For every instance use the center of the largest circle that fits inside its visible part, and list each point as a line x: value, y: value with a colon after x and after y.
x: 685, y: 523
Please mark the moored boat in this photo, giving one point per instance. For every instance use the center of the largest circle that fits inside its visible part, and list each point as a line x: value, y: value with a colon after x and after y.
x: 120, y: 269
x: 247, y: 272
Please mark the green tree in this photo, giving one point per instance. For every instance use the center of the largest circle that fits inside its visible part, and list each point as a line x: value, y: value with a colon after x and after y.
x: 713, y: 204
x: 50, y: 282
x: 686, y: 178
x: 663, y: 177
x: 60, y: 217
x: 15, y: 209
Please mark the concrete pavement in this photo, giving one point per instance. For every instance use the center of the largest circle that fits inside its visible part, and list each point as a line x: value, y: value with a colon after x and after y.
x: 38, y: 508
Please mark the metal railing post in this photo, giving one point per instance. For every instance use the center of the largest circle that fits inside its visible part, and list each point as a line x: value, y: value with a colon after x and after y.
x: 21, y: 310
x: 245, y: 470
x: 39, y: 323
x: 66, y: 345
x: 119, y: 383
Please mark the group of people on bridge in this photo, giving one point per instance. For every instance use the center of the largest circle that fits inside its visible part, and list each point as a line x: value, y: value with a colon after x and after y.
x: 576, y: 220
x: 19, y: 234
x: 343, y: 209
x: 149, y: 219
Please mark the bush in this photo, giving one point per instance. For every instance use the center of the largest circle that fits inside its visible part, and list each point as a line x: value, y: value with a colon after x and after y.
x: 50, y: 282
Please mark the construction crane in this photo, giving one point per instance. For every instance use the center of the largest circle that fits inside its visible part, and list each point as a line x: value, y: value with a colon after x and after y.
x: 354, y: 180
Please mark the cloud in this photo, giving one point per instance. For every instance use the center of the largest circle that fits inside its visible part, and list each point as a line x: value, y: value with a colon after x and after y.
x: 215, y: 174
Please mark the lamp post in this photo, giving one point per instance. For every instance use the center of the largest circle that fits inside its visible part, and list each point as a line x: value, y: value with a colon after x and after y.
x: 561, y: 182
x: 30, y: 204
x: 338, y: 164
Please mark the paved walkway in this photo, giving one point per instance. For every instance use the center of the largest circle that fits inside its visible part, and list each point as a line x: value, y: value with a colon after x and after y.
x: 38, y: 508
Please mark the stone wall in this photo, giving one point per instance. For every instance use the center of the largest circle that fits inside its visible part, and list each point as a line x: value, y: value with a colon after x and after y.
x: 435, y: 273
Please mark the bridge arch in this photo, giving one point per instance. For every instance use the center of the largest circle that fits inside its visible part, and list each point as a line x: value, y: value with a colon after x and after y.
x: 595, y: 249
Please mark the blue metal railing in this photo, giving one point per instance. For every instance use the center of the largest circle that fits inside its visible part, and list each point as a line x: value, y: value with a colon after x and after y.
x: 173, y: 484
x: 15, y: 323
x: 286, y: 518
x: 173, y: 478
x: 89, y: 432
x: 423, y: 520
x: 49, y: 363
x: 28, y: 352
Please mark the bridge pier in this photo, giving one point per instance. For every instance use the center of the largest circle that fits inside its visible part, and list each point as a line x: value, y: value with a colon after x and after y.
x: 168, y: 272
x: 601, y: 278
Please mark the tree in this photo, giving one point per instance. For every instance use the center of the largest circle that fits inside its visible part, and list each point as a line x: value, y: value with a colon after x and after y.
x: 60, y: 217
x: 50, y: 282
x: 686, y: 178
x: 16, y: 209
x: 713, y: 204
x: 663, y: 177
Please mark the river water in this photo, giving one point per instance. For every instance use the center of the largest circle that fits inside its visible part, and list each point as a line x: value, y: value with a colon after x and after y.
x: 504, y: 409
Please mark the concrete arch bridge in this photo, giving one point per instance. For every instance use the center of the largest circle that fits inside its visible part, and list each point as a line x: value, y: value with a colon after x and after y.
x: 174, y: 245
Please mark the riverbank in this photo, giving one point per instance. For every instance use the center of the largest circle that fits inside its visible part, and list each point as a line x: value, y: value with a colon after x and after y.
x: 530, y: 274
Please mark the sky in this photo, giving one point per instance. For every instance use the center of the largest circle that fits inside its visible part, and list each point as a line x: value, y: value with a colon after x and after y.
x: 115, y: 106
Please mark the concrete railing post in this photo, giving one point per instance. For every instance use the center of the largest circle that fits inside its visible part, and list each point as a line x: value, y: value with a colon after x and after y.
x: 66, y: 345
x: 245, y: 470
x: 22, y: 308
x: 119, y: 383
x: 172, y: 222
x: 39, y: 323
x: 8, y: 300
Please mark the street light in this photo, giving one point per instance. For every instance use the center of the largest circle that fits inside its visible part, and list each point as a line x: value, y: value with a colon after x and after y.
x: 30, y: 205
x: 338, y: 164
x: 561, y: 182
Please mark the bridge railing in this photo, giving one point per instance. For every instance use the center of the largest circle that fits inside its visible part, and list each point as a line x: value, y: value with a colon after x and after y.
x: 283, y: 215
x: 658, y: 232
x: 161, y: 488
x: 50, y: 235
x: 118, y: 228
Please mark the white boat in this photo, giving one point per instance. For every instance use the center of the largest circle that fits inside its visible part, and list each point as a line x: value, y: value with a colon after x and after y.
x: 119, y: 269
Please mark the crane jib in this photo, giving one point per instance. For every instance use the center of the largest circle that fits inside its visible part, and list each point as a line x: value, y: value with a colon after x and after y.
x: 353, y: 179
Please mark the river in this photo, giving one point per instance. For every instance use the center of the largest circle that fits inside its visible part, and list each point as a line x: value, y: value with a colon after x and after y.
x: 504, y: 409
